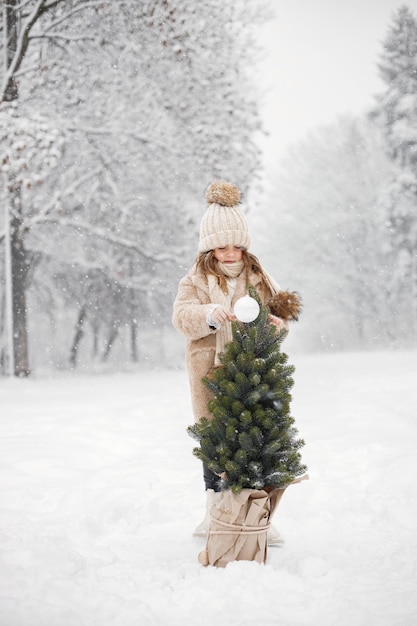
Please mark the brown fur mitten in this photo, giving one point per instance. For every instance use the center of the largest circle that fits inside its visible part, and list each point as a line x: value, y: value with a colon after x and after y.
x: 286, y: 305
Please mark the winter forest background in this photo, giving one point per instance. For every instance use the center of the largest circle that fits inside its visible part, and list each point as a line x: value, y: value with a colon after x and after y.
x: 115, y: 116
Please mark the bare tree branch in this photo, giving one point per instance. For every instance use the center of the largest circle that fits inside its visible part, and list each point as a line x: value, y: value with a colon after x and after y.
x: 22, y: 45
x: 28, y: 22
x: 73, y: 11
x: 105, y: 235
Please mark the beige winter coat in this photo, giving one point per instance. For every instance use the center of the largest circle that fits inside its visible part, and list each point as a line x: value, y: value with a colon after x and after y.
x: 190, y: 318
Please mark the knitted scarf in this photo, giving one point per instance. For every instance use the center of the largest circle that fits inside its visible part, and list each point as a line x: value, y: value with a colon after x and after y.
x: 232, y: 271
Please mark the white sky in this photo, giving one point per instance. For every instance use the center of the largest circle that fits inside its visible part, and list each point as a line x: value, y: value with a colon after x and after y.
x: 321, y: 63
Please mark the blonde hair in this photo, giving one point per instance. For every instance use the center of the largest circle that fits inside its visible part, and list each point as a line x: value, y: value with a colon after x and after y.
x: 207, y: 263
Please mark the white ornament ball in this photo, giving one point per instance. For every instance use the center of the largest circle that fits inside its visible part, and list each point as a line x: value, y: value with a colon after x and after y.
x: 246, y: 309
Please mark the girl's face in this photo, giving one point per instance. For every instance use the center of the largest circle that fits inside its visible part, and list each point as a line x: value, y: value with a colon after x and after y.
x: 228, y: 254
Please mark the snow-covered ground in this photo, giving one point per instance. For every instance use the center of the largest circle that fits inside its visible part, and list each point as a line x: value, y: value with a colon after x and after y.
x: 99, y: 494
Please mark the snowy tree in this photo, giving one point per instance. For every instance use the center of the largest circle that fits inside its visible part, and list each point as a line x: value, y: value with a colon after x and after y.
x: 147, y: 184
x: 151, y: 116
x: 346, y: 227
x: 327, y: 228
x: 396, y: 113
x: 29, y: 149
x: 397, y: 106
x: 23, y: 151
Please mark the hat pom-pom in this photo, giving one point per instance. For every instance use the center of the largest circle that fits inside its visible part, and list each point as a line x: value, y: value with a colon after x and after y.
x: 222, y: 192
x: 286, y: 304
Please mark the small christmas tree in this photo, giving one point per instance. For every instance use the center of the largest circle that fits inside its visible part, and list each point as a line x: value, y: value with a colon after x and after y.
x: 250, y: 440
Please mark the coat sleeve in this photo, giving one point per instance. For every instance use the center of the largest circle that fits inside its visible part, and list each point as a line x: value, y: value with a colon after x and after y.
x: 189, y: 312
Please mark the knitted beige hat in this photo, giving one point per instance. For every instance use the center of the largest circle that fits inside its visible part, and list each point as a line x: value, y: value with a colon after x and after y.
x: 223, y: 224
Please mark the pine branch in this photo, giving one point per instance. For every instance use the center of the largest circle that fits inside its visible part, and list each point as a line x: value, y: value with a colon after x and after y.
x: 250, y: 440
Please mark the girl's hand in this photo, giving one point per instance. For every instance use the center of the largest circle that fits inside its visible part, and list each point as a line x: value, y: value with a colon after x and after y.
x: 221, y: 314
x: 277, y: 321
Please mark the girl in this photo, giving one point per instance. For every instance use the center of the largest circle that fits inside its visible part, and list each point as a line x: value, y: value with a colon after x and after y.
x: 203, y: 307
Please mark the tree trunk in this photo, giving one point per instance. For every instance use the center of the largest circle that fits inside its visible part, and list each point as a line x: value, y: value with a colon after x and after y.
x: 20, y: 264
x: 18, y: 255
x: 11, y: 25
x: 112, y: 337
x: 133, y: 341
x: 95, y: 350
x: 79, y: 333
x: 3, y: 334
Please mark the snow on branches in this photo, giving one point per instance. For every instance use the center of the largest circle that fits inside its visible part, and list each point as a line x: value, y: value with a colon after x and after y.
x: 29, y: 148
